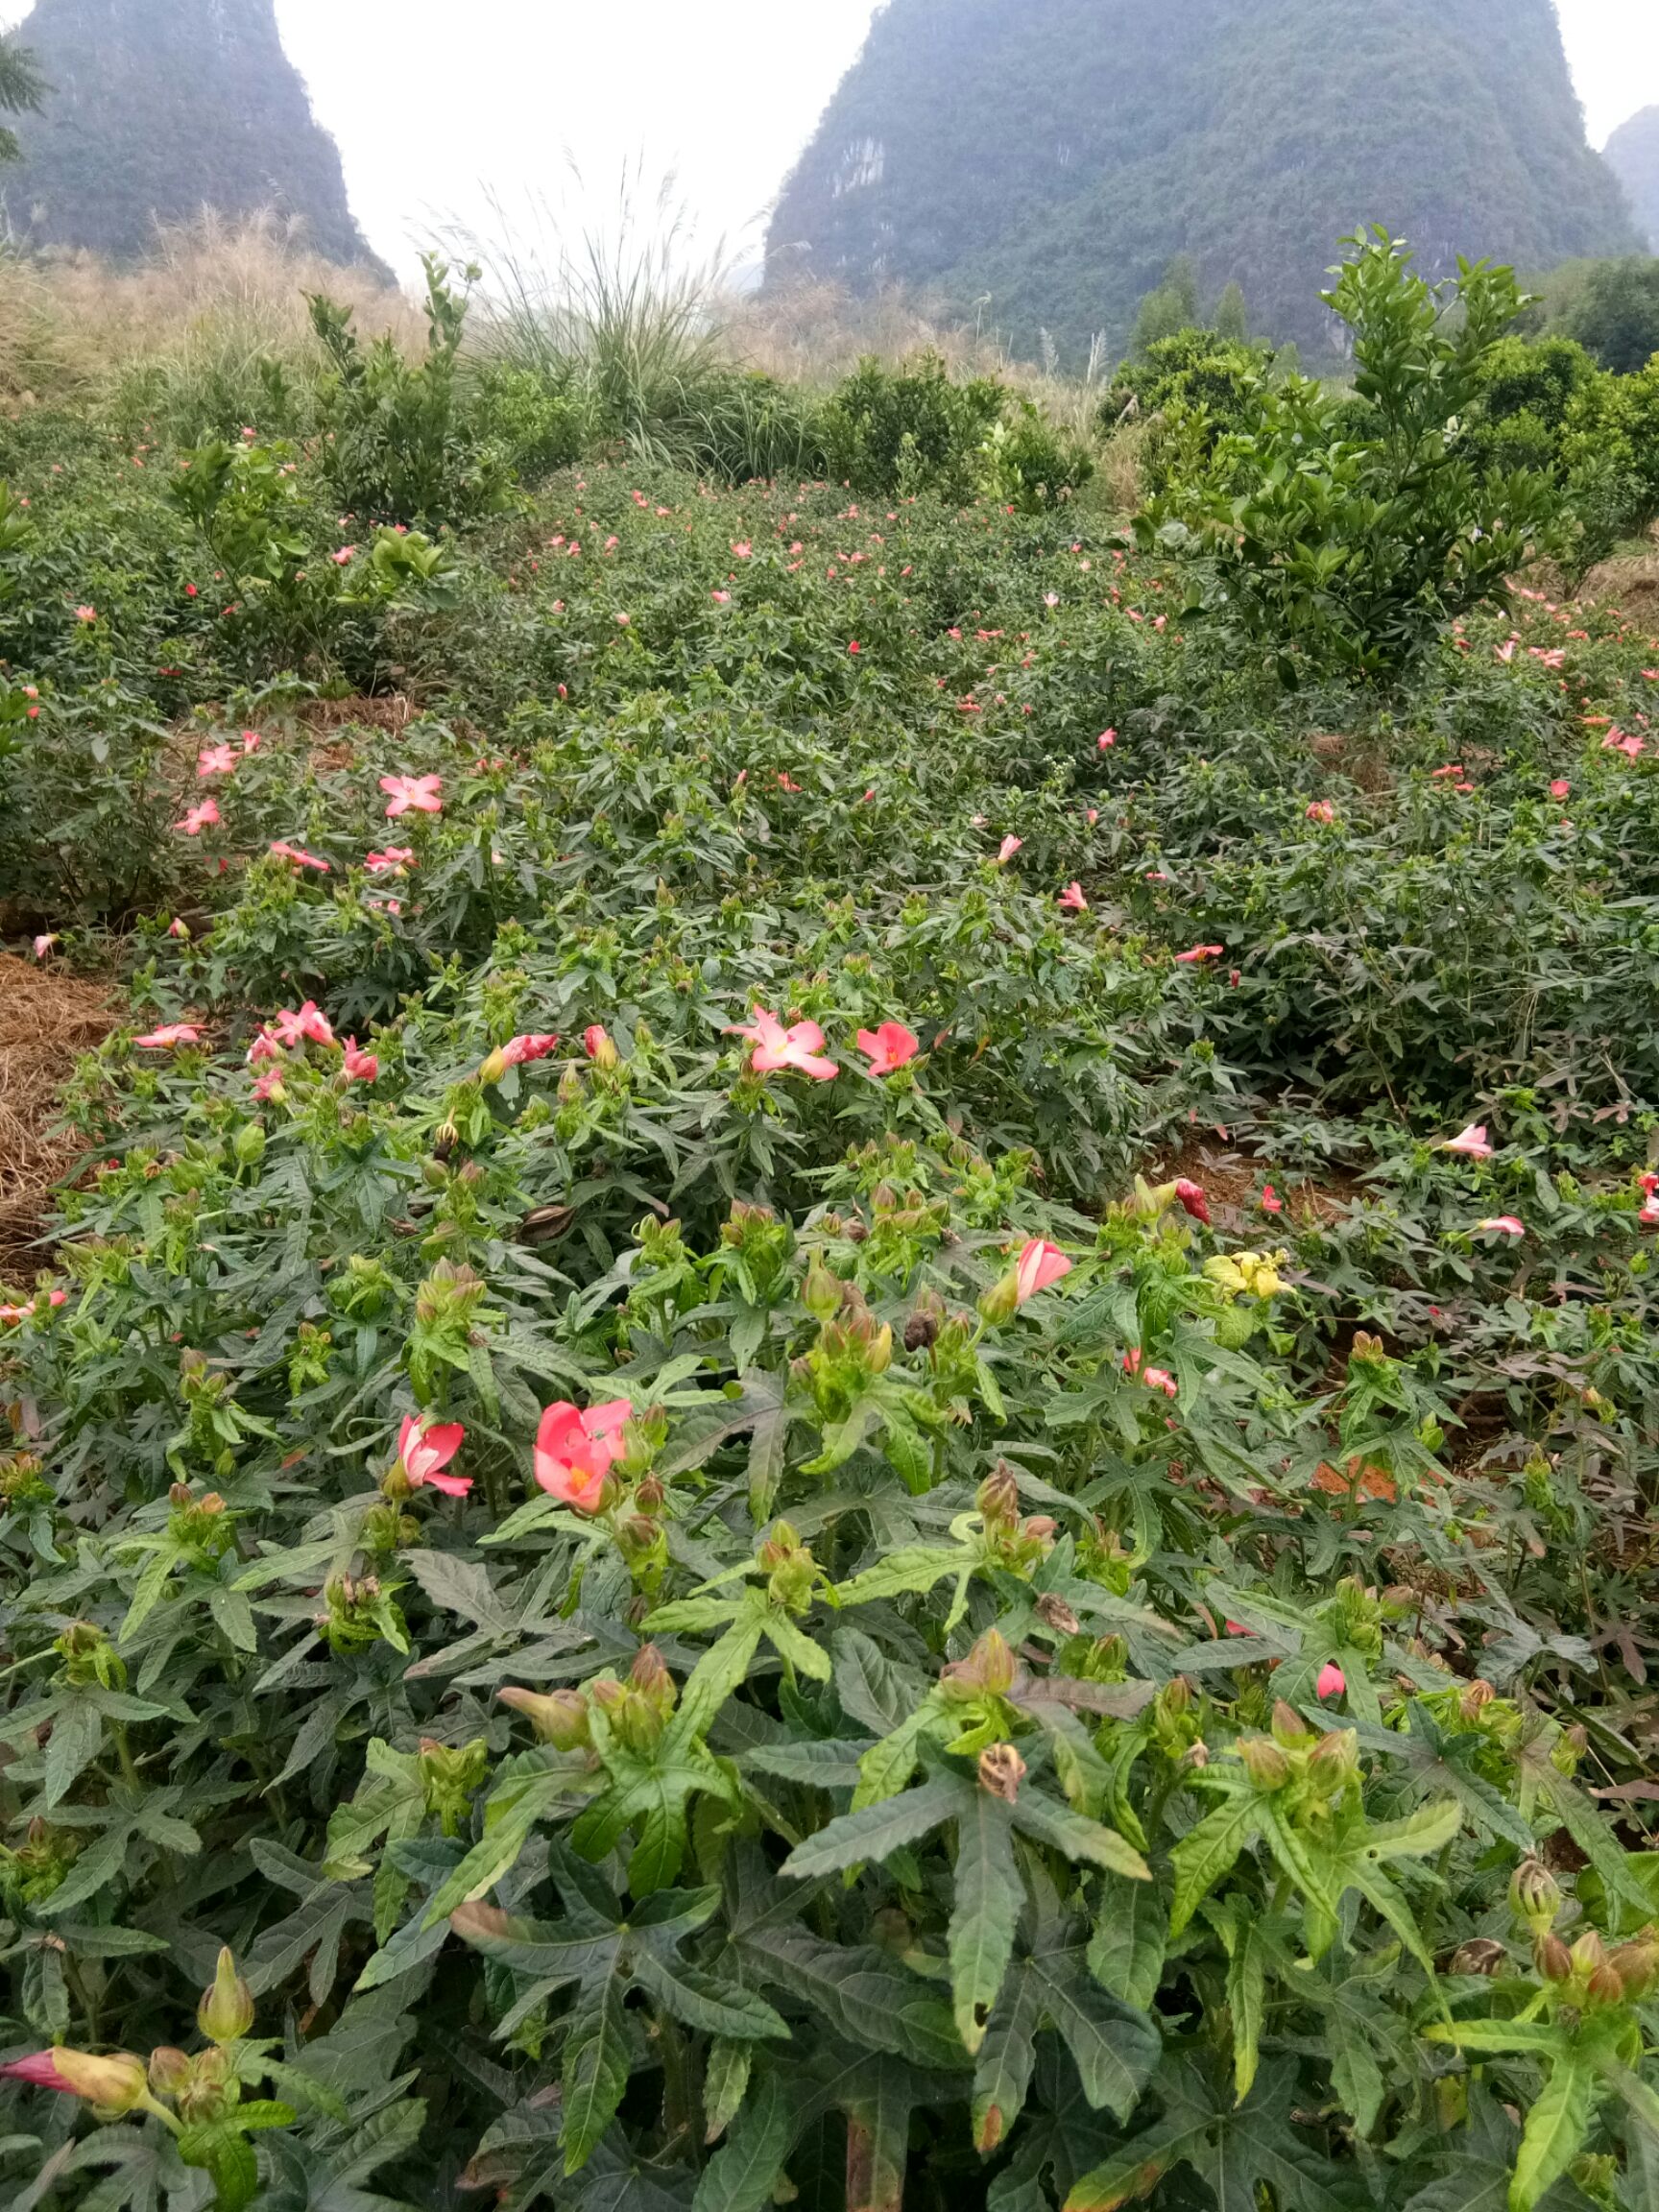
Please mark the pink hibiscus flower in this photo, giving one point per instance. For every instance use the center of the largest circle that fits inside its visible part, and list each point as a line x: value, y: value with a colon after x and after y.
x: 297, y: 857
x: 775, y: 1048
x: 1039, y: 1263
x: 196, y: 819
x: 889, y: 1046
x: 575, y: 1450
x: 1072, y: 898
x: 170, y: 1034
x: 1471, y: 1142
x: 360, y: 1066
x: 413, y: 794
x: 427, y: 1451
x: 1332, y: 1682
x: 1504, y: 1225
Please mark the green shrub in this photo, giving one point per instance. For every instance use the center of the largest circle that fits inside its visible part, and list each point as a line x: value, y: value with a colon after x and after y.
x: 1344, y: 535
x: 1026, y: 464
x: 906, y: 430
x: 537, y: 425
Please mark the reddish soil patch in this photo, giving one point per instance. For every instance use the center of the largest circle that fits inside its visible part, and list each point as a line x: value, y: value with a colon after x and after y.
x: 46, y: 1018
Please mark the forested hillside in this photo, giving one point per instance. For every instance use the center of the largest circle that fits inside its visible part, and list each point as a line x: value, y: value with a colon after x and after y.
x: 155, y: 108
x: 1055, y: 155
x: 1633, y: 153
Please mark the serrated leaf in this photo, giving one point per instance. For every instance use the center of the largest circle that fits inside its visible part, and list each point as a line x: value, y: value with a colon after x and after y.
x: 1556, y: 2124
x: 740, y: 2175
x: 989, y: 1896
x: 711, y: 2007
x: 1131, y: 1937
x: 877, y: 1829
x: 596, y: 2069
x: 1206, y: 1852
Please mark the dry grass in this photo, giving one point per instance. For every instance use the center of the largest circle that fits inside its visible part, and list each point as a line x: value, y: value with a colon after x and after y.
x: 46, y: 1018
x: 71, y: 323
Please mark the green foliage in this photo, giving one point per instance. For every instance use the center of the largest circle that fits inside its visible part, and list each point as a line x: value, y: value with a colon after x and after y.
x: 1346, y: 535
x: 1234, y: 138
x: 396, y: 446
x: 909, y: 431
x: 1632, y: 154
x: 1190, y: 391
x: 1616, y: 315
x: 1050, y: 1606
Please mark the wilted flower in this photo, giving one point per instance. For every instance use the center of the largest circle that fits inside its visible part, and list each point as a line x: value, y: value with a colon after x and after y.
x: 1006, y: 851
x: 392, y: 862
x: 575, y: 1450
x: 44, y: 945
x: 1197, y: 952
x: 169, y: 1034
x: 889, y: 1046
x: 1471, y: 1142
x: 777, y: 1048
x: 297, y: 857
x: 1072, y: 898
x: 1504, y: 1225
x: 1189, y: 1196
x: 1321, y: 810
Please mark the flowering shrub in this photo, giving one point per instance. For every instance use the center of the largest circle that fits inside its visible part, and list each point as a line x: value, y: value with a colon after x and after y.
x: 818, y: 1421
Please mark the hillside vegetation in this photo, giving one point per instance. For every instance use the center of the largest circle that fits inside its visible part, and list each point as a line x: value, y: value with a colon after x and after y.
x: 1049, y: 157
x: 1633, y: 155
x: 843, y: 1388
x: 155, y: 110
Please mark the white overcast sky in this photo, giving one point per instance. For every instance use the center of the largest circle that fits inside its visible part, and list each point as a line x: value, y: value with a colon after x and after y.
x: 438, y: 103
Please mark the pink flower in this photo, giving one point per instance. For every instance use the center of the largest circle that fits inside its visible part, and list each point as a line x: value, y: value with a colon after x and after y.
x: 1106, y: 740
x: 1504, y: 1225
x: 196, y: 819
x: 38, y: 2069
x: 740, y: 548
x: 217, y: 760
x: 855, y: 647
x: 1039, y: 1264
x: 722, y: 598
x: 1197, y: 952
x: 1332, y: 1682
x: 517, y: 1051
x: 44, y: 945
x: 1238, y: 1629
x: 297, y: 857
x: 1471, y: 1142
x: 1006, y: 851
x: 269, y: 1086
x: 425, y: 1452
x: 169, y: 1034
x: 599, y: 1046
x: 623, y: 620
x: 423, y: 794
x: 290, y: 1029
x: 1154, y: 1377
x: 344, y: 555
x: 1271, y: 1201
x: 1051, y: 598
x: 888, y: 1048
x: 1072, y: 898
x: 1190, y: 1195
x: 360, y: 1066
x: 86, y: 613
x: 575, y: 1450
x: 777, y: 1048
x: 1321, y: 810
x: 1560, y: 788
x: 252, y: 740
x: 392, y: 862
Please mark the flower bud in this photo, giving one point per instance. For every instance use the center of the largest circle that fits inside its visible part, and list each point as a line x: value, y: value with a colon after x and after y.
x: 1605, y: 1987
x: 170, y: 2070
x: 879, y: 1357
x: 1589, y: 1953
x: 1001, y: 1301
x: 821, y: 1292
x: 114, y: 2083
x: 1002, y: 1770
x: 225, y: 2011
x: 1289, y: 1728
x: 559, y: 1717
x: 1264, y: 1761
x: 1534, y: 1895
x: 492, y: 1067
x: 1637, y: 1963
x: 999, y: 1497
x: 988, y: 1670
x: 1336, y: 1759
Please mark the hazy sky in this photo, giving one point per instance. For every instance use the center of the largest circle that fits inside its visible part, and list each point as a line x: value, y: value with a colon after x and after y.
x: 436, y: 102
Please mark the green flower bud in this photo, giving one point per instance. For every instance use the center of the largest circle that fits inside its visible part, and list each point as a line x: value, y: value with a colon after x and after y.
x: 1534, y: 1895
x: 115, y: 2083
x: 1264, y: 1761
x: 225, y: 2011
x: 559, y: 1719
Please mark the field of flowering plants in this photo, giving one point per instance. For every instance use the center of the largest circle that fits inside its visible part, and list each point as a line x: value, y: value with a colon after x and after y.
x: 847, y: 1391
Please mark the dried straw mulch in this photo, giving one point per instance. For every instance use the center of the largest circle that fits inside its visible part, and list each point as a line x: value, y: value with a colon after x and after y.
x: 46, y: 1018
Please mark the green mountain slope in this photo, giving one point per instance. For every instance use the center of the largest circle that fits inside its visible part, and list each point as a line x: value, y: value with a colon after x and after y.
x: 1632, y: 154
x: 1055, y: 155
x: 155, y: 108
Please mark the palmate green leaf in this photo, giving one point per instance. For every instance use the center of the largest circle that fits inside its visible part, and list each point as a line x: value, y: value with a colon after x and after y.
x: 1115, y: 2047
x: 911, y: 1571
x: 988, y: 1898
x: 1077, y: 1835
x: 1556, y: 2125
x: 711, y: 2007
x: 876, y: 1830
x: 1131, y: 1935
x: 1241, y: 1932
x: 866, y: 1998
x: 741, y: 2174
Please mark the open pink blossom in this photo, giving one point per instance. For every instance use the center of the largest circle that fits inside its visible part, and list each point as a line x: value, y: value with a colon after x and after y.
x: 1039, y: 1263
x: 297, y: 857
x: 1106, y: 740
x: 252, y: 740
x: 1650, y: 1213
x: 517, y: 1051
x: 343, y: 556
x: 1504, y: 1225
x: 44, y: 945
x: 289, y: 1027
x: 392, y: 862
x: 1271, y: 1201
x: 416, y: 794
x: 1197, y: 952
x: 168, y: 1035
x: 86, y: 613
x: 777, y: 1048
x: 1189, y: 1196
x: 889, y: 1046
x: 1321, y: 810
x: 1006, y: 851
x: 1560, y: 788
x: 195, y: 819
x: 1072, y: 898
x: 575, y: 1450
x: 1471, y: 1142
x: 1332, y: 1682
x: 426, y: 1452
x: 360, y: 1066
x: 217, y: 760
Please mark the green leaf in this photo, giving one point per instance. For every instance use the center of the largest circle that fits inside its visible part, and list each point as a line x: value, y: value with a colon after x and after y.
x: 989, y: 1896
x: 711, y: 2007
x: 725, y: 2084
x: 1246, y: 1997
x: 877, y: 1829
x: 1077, y: 1835
x: 1556, y: 2125
x: 595, y: 2073
x: 1131, y: 1935
x: 740, y: 2175
x: 1115, y: 2049
x: 1136, y: 2170
x: 1207, y: 1851
x: 911, y: 1571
